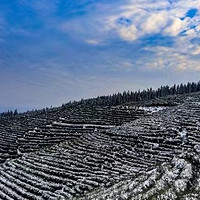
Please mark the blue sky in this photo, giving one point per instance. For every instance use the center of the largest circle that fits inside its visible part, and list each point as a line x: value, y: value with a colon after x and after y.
x: 55, y: 51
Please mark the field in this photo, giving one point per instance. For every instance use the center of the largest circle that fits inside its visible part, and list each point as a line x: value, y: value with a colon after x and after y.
x: 147, y: 150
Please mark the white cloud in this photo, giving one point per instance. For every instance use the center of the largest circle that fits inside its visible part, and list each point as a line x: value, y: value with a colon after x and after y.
x: 128, y: 33
x: 198, y: 28
x: 155, y: 22
x: 124, y: 66
x: 158, y: 64
x: 172, y: 59
x: 136, y: 19
x: 146, y: 17
x: 150, y: 17
x: 93, y: 41
x: 175, y: 28
x: 196, y: 51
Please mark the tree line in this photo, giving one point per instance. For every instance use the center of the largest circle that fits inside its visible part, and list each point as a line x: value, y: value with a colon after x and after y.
x: 130, y: 96
x: 125, y: 97
x: 9, y: 113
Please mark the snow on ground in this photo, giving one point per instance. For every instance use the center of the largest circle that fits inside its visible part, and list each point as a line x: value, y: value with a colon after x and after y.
x: 169, y: 181
x: 152, y: 109
x: 183, y: 134
x: 83, y: 125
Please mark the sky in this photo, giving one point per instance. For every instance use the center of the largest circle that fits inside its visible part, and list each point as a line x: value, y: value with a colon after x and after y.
x: 52, y: 52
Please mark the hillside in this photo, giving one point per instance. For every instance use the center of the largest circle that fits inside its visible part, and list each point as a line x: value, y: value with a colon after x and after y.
x: 136, y: 150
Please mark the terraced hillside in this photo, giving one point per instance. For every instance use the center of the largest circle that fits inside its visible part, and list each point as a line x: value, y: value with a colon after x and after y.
x: 32, y: 130
x: 124, y: 152
x: 178, y: 179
